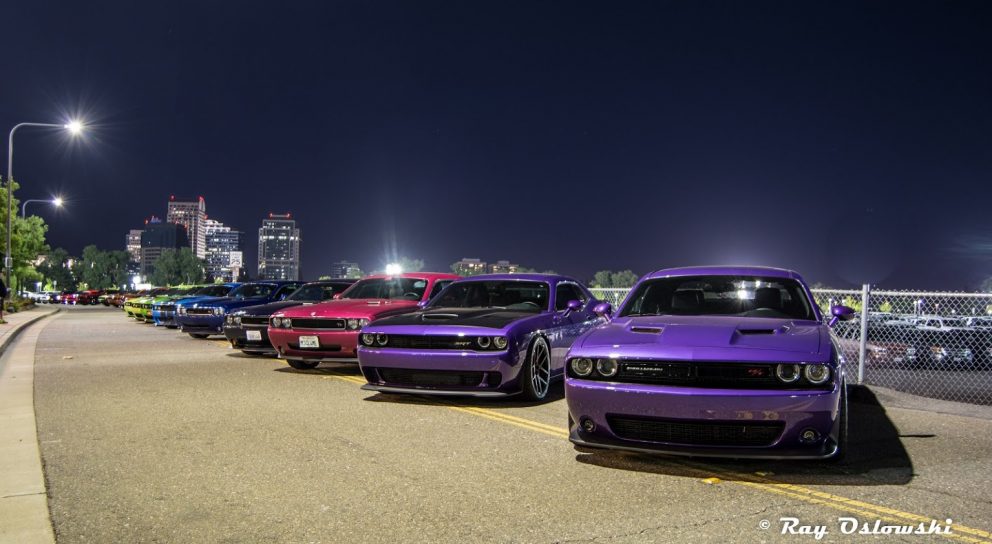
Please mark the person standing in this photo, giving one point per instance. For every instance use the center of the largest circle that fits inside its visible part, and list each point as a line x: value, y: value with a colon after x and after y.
x: 3, y: 299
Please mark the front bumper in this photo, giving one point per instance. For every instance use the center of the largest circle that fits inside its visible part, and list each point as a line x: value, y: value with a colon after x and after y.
x: 238, y: 337
x: 706, y: 416
x: 440, y: 372
x: 213, y: 324
x: 335, y: 345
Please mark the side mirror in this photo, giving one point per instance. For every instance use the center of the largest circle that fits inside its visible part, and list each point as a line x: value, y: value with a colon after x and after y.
x: 604, y: 310
x: 572, y: 306
x: 336, y: 296
x: 840, y: 313
x: 423, y: 304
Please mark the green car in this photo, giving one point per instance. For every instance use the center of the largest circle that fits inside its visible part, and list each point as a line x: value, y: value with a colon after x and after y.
x: 142, y: 307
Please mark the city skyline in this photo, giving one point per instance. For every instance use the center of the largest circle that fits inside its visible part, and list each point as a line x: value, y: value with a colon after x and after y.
x: 846, y: 142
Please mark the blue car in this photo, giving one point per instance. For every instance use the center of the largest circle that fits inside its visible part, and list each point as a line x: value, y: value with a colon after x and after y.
x: 164, y: 313
x: 203, y: 318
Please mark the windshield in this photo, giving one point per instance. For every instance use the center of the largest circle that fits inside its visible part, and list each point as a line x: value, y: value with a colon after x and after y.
x: 521, y: 296
x: 214, y: 291
x: 315, y: 292
x: 389, y: 288
x: 253, y: 290
x: 743, y: 296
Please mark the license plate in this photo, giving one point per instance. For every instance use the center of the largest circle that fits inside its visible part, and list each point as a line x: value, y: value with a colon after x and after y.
x: 309, y: 342
x: 254, y: 336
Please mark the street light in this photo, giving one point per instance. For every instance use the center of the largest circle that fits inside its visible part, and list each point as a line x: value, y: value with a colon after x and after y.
x: 57, y: 202
x: 74, y: 127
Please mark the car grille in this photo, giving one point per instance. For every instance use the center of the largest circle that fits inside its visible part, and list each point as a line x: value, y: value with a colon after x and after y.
x: 430, y: 342
x: 166, y: 308
x: 255, y: 321
x: 696, y: 433
x: 200, y: 311
x: 317, y: 323
x: 705, y: 375
x: 439, y: 378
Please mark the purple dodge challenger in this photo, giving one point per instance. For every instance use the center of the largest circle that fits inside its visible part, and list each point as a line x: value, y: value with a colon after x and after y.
x: 485, y: 336
x: 711, y: 361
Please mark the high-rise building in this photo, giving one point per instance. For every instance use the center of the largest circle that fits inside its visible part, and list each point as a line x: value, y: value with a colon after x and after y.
x: 469, y: 267
x: 132, y: 244
x: 503, y: 267
x: 158, y: 237
x: 279, y: 248
x: 345, y: 269
x: 191, y: 214
x: 224, y: 251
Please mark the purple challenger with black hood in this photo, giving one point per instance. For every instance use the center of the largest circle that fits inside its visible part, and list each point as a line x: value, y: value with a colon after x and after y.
x: 711, y: 361
x: 485, y: 336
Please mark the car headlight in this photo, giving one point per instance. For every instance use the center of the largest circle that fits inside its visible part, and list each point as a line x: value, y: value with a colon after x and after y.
x: 287, y: 323
x: 582, y: 367
x: 787, y: 373
x: 181, y: 310
x: 353, y: 324
x: 218, y: 310
x: 237, y: 321
x: 607, y: 367
x: 368, y: 339
x: 229, y: 320
x: 483, y: 342
x: 381, y: 339
x: 362, y: 323
x: 500, y: 342
x: 817, y: 374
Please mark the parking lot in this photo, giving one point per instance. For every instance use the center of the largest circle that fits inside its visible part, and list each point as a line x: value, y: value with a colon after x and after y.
x: 149, y: 435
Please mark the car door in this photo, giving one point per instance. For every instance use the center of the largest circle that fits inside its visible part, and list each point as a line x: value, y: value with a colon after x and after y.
x: 569, y: 325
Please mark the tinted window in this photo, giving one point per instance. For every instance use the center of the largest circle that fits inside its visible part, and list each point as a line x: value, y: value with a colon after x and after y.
x: 391, y: 288
x: 315, y: 292
x: 253, y: 290
x: 438, y: 286
x: 744, y: 296
x: 214, y: 291
x: 526, y: 296
x: 566, y: 292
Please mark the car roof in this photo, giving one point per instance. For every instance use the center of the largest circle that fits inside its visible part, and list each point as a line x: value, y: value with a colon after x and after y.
x: 521, y: 277
x: 415, y: 275
x: 726, y: 270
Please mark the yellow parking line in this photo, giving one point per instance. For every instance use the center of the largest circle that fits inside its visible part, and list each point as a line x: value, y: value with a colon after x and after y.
x: 518, y: 422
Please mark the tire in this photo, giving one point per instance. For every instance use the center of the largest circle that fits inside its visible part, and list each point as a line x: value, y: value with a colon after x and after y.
x: 198, y: 336
x: 299, y: 364
x: 535, y: 376
x: 842, y: 431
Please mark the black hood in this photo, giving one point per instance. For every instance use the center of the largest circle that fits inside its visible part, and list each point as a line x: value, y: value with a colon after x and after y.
x: 492, y: 318
x: 268, y: 309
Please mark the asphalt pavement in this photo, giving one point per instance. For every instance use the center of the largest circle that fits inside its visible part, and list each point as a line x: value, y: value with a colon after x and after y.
x: 148, y: 435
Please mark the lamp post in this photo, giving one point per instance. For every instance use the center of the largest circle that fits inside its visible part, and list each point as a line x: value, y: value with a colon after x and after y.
x: 74, y: 128
x: 57, y: 202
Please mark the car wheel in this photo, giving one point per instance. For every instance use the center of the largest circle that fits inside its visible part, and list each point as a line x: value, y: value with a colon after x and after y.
x: 535, y: 376
x: 301, y: 365
x: 197, y: 335
x: 842, y: 430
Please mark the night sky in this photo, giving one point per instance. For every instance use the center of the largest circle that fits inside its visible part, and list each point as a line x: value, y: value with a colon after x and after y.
x: 850, y: 142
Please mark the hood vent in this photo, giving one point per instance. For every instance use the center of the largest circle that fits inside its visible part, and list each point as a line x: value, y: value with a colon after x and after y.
x: 646, y: 330
x: 750, y: 332
x: 438, y: 317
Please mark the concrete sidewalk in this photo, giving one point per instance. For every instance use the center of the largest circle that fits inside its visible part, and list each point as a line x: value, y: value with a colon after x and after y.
x: 24, y: 513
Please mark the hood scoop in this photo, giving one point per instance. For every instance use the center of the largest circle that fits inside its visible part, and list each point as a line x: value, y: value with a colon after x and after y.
x: 646, y: 330
x: 439, y: 317
x: 755, y: 332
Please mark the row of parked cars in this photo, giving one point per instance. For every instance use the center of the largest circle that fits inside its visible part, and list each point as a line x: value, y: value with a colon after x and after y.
x: 714, y: 361
x: 84, y: 297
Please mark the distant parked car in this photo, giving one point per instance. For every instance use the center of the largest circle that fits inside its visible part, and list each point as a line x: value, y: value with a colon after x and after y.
x: 486, y: 336
x: 164, y: 310
x: 206, y: 318
x: 328, y: 331
x: 246, y: 328
x: 882, y: 349
x: 941, y: 323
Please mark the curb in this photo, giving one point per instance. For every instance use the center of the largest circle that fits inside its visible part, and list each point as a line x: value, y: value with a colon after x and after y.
x: 9, y: 337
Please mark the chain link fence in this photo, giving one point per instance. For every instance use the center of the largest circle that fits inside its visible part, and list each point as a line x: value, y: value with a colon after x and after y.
x: 931, y: 344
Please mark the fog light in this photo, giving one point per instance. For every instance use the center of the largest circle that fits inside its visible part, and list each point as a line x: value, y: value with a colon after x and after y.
x: 809, y: 436
x: 588, y: 425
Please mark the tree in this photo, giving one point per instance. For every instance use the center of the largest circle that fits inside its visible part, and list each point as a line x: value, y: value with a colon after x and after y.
x: 176, y: 267
x: 54, y: 270
x: 609, y: 279
x: 102, y: 269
